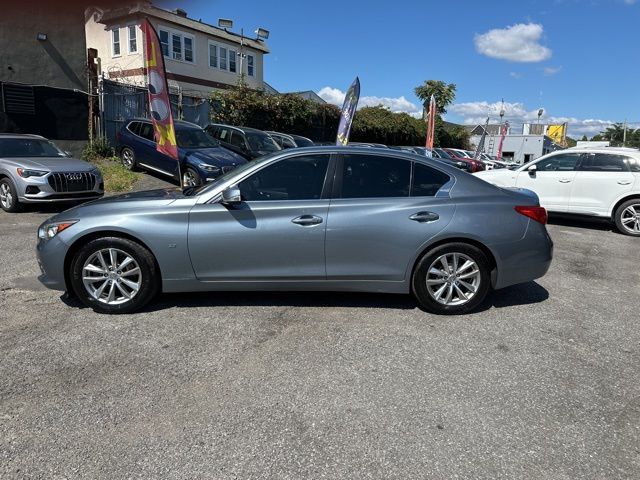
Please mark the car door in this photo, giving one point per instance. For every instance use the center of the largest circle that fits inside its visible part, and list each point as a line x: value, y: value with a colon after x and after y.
x: 552, y: 180
x: 379, y: 219
x: 276, y: 233
x: 151, y: 158
x: 602, y: 179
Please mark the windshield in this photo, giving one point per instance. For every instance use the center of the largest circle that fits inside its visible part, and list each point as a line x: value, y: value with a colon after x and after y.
x: 28, y: 147
x: 195, y: 138
x: 261, y: 142
x: 302, y: 141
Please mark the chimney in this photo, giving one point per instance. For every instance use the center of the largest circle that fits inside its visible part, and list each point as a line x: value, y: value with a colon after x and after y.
x: 180, y: 12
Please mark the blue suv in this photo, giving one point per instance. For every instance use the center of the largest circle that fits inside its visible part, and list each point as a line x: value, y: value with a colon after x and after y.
x: 202, y: 158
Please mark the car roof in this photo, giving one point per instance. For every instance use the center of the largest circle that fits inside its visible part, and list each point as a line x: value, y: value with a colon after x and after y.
x: 242, y: 129
x: 22, y: 135
x: 620, y: 150
x: 176, y: 123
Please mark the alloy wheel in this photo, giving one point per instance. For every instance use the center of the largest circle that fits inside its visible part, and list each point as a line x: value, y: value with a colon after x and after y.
x: 189, y: 179
x: 6, y: 198
x: 111, y: 276
x: 630, y: 218
x: 127, y: 158
x: 453, y: 279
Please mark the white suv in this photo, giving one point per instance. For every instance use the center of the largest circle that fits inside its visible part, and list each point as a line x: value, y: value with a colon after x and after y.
x: 601, y: 182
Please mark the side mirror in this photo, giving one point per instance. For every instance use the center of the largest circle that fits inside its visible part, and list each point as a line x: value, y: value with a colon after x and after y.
x: 231, y: 196
x: 532, y: 170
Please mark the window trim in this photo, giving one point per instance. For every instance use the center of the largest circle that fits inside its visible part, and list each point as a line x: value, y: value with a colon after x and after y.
x: 129, y: 38
x: 113, y: 42
x: 253, y: 65
x: 535, y: 162
x: 179, y: 33
x: 217, y: 56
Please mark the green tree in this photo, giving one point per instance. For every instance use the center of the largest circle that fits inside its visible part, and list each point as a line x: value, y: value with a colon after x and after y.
x: 584, y: 138
x: 615, y: 134
x: 444, y: 93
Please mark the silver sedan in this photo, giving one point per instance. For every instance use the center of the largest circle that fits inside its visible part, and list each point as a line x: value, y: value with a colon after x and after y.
x: 319, y: 218
x: 34, y: 170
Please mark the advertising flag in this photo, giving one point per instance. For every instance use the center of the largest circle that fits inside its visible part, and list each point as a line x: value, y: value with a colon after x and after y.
x: 557, y: 133
x: 159, y: 105
x: 348, y: 111
x: 480, y: 148
x: 431, y: 123
x: 503, y: 134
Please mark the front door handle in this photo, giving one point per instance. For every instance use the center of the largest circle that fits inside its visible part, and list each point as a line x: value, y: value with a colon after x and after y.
x: 307, y: 220
x: 624, y: 182
x: 564, y: 180
x: 424, y: 217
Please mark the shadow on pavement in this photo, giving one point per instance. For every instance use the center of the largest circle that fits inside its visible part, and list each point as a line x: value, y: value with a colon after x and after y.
x: 523, y: 294
x: 577, y: 221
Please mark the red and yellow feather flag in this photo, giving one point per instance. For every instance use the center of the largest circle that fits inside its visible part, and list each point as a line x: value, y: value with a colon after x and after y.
x: 159, y: 105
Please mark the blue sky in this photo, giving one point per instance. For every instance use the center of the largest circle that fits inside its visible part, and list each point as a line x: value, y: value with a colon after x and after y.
x: 577, y: 59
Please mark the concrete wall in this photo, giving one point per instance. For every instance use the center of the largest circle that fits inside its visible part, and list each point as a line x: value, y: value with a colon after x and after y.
x: 519, y: 145
x: 57, y: 62
x: 99, y: 37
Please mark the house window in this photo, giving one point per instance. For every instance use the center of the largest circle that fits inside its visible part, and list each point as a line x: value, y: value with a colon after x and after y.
x: 164, y: 42
x: 115, y: 37
x: 250, y: 66
x: 133, y: 39
x: 188, y: 49
x: 232, y: 61
x: 223, y: 58
x: 176, y: 44
x: 213, y: 55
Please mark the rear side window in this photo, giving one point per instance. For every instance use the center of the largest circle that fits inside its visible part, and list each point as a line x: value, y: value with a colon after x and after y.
x: 146, y: 131
x: 558, y: 163
x: 604, y: 162
x: 374, y: 176
x: 634, y: 164
x: 237, y: 140
x: 427, y: 181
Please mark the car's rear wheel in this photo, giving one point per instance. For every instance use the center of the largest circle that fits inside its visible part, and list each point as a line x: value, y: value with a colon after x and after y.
x: 627, y: 217
x: 114, y: 275
x: 128, y: 159
x: 452, y: 279
x: 9, y: 196
x: 191, y: 178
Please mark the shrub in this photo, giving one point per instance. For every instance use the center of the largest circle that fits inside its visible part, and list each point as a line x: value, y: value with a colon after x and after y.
x: 116, y: 177
x: 99, y: 148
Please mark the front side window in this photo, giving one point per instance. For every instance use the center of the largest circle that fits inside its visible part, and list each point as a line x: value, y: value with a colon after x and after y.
x: 115, y: 36
x: 188, y: 49
x: 194, y: 138
x: 297, y: 178
x: 164, y: 42
x: 232, y: 61
x: 604, y: 162
x: 558, y: 163
x: 373, y: 176
x: 213, y: 56
x: 133, y: 39
x: 250, y: 65
x: 237, y: 140
x: 261, y: 142
x: 427, y: 181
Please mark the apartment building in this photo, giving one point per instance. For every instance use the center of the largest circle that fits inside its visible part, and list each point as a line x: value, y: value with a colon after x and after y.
x: 198, y: 57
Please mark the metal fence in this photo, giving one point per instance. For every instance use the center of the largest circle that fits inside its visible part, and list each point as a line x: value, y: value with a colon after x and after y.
x: 119, y: 102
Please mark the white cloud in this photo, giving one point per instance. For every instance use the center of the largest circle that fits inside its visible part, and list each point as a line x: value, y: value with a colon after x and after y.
x: 518, y: 43
x: 549, y: 71
x: 475, y: 113
x: 515, y: 75
x: 630, y: 2
x: 395, y: 104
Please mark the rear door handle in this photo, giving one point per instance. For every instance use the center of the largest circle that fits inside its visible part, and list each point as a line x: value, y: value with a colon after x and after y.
x: 564, y: 180
x: 424, y: 217
x: 307, y: 220
x: 624, y: 182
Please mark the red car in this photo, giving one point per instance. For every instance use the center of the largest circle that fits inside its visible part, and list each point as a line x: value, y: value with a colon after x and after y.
x: 476, y: 165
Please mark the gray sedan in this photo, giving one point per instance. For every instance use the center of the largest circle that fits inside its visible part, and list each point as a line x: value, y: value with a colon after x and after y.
x: 319, y: 218
x: 34, y: 170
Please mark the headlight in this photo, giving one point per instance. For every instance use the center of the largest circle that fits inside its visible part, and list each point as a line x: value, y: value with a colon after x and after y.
x: 26, y: 173
x: 50, y: 230
x: 210, y: 168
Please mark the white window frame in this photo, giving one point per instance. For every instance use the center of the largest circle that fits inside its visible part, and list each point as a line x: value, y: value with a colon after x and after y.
x: 179, y: 33
x: 129, y: 38
x: 113, y: 42
x: 253, y: 65
x: 233, y: 54
x: 216, y: 46
x: 230, y: 50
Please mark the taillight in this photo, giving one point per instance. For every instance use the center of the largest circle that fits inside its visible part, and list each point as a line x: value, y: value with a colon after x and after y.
x: 539, y: 214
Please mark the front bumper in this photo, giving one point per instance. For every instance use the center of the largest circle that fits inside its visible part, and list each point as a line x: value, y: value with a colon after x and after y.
x: 39, y: 190
x: 50, y: 255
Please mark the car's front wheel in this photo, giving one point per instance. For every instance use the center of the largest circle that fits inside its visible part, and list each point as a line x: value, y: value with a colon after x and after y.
x: 627, y: 217
x: 191, y: 178
x: 114, y: 275
x: 9, y: 196
x: 452, y: 279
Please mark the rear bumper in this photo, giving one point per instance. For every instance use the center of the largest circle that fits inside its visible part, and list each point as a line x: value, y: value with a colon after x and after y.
x: 524, y: 260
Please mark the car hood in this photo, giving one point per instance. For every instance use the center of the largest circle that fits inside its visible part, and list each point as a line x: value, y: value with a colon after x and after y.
x: 218, y: 156
x: 54, y: 164
x: 500, y: 172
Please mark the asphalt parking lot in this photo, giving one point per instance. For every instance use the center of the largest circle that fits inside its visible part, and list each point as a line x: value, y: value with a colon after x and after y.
x: 541, y: 382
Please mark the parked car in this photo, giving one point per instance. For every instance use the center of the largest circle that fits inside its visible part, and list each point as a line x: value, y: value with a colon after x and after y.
x: 202, y: 158
x: 461, y: 156
x: 285, y: 140
x: 34, y: 170
x: 424, y: 151
x: 491, y: 163
x: 603, y: 182
x: 248, y: 142
x: 304, y: 219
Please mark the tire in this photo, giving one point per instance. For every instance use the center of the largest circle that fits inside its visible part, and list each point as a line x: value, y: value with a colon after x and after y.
x: 118, y: 280
x: 427, y: 285
x: 9, y: 196
x: 191, y: 178
x: 627, y: 217
x: 129, y: 159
